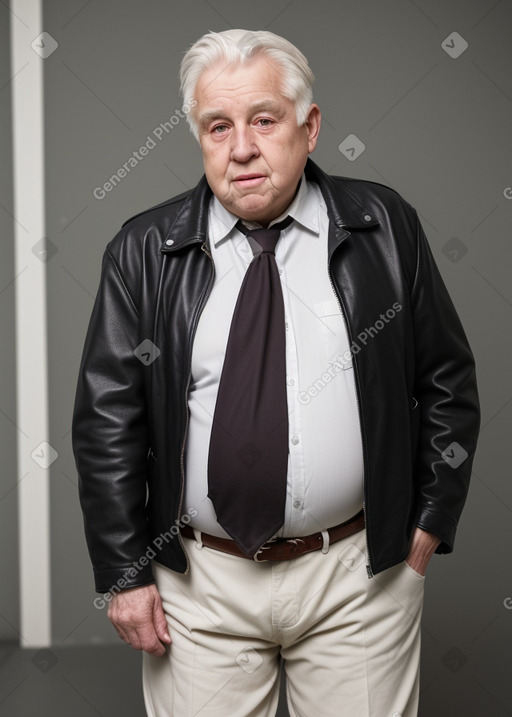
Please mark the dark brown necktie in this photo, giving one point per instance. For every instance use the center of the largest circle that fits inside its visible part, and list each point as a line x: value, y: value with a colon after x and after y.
x: 248, y: 455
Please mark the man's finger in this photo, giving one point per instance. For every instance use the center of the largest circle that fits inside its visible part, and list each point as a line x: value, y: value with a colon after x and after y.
x: 160, y: 623
x: 141, y: 637
x: 121, y: 631
x: 147, y: 639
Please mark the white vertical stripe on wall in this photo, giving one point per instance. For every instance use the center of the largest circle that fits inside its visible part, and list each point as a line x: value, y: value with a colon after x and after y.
x: 33, y: 450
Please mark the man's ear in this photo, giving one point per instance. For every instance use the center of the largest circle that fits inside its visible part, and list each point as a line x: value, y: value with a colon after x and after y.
x: 313, y: 123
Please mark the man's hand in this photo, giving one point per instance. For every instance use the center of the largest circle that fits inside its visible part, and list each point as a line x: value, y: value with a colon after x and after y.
x: 423, y: 546
x: 139, y: 619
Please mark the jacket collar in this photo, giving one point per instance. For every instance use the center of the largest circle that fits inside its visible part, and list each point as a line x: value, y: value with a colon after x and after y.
x: 344, y: 211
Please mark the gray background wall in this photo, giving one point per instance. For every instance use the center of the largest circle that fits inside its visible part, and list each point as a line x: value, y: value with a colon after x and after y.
x: 436, y: 128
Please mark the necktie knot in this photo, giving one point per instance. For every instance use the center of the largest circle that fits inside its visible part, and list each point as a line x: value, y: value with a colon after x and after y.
x: 266, y: 238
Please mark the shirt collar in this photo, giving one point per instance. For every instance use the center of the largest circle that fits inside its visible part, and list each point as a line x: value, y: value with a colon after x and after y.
x: 304, y: 209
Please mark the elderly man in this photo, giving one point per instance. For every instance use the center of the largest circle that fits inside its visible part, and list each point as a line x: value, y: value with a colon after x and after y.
x: 276, y: 415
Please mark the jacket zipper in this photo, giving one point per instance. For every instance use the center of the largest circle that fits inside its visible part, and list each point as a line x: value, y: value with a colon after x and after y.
x: 347, y: 328
x: 187, y: 412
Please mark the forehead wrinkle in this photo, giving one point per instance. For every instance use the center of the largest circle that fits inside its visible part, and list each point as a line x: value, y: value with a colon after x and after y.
x: 258, y: 106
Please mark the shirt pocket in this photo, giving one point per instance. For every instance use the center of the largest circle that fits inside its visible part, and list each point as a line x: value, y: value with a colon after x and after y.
x: 333, y: 333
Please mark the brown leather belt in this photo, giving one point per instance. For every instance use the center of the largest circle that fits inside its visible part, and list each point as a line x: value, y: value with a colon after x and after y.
x: 282, y: 548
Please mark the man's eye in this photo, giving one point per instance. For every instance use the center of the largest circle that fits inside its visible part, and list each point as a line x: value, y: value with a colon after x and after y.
x: 265, y: 122
x: 219, y: 128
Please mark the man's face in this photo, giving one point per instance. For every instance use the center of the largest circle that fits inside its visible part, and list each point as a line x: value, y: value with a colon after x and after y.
x: 253, y: 151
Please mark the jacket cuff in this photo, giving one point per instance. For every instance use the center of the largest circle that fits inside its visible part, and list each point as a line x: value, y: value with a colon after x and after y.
x: 114, y: 580
x: 440, y: 526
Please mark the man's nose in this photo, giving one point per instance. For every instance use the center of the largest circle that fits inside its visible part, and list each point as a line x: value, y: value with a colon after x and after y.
x: 243, y: 145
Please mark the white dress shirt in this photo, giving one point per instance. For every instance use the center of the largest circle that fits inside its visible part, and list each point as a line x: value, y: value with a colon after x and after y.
x: 325, y: 463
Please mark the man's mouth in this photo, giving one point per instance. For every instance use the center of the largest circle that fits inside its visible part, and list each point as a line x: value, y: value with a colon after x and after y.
x: 249, y: 180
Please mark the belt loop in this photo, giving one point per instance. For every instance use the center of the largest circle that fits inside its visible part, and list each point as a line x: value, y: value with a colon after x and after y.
x: 325, y: 538
x: 199, y: 540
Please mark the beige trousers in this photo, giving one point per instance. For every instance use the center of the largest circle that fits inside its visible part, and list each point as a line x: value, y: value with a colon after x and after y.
x: 350, y: 645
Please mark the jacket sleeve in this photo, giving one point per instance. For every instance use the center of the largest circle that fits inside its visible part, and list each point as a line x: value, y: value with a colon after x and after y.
x: 448, y: 402
x: 110, y: 438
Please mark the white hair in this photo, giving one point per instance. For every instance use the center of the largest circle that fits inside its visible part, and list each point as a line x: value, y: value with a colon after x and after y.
x: 238, y: 47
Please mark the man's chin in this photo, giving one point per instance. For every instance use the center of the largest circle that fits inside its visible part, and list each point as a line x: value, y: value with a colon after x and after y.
x: 253, y: 207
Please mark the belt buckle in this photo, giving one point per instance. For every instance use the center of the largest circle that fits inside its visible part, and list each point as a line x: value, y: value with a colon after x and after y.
x: 260, y: 560
x: 261, y: 549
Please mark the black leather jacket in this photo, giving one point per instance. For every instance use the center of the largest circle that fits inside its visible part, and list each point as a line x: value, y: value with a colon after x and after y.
x: 413, y: 367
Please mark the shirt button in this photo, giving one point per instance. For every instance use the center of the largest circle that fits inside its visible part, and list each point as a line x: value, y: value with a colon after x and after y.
x: 280, y: 271
x: 367, y: 218
x: 169, y: 242
x: 295, y: 440
x: 291, y: 382
x: 297, y: 504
